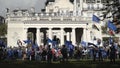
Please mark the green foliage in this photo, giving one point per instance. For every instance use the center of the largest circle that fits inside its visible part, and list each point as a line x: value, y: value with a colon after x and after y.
x: 3, y: 29
x: 104, y: 29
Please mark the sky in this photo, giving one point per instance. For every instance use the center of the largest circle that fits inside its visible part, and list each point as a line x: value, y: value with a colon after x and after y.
x: 24, y: 4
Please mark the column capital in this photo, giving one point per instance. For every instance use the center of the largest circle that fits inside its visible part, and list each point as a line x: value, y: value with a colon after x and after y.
x: 38, y: 36
x: 73, y: 27
x: 85, y: 28
x: 25, y: 28
x: 62, y: 38
x: 37, y: 28
x: 50, y: 27
x: 73, y: 36
x: 62, y: 27
x: 50, y: 33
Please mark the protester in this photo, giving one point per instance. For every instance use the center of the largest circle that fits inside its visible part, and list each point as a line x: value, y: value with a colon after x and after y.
x: 78, y: 53
x: 100, y: 56
x: 1, y: 53
x: 49, y: 54
x: 112, y: 53
x: 64, y: 54
x: 84, y: 53
x: 94, y: 52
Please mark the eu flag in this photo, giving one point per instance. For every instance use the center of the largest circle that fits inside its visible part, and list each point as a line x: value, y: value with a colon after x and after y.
x: 27, y: 41
x: 95, y: 19
x: 49, y: 41
x: 111, y: 26
x: 110, y: 40
x: 69, y: 45
x: 83, y: 43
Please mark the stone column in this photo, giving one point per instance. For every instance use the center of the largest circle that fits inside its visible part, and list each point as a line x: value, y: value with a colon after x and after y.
x: 73, y: 38
x: 62, y: 37
x: 80, y: 8
x: 68, y: 36
x: 101, y: 36
x: 75, y: 5
x: 25, y: 35
x: 84, y: 35
x: 81, y: 4
x: 50, y: 33
x: 38, y: 36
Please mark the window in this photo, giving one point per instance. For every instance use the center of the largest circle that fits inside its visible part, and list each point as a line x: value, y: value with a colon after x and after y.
x: 90, y: 1
x: 93, y: 1
x: 56, y: 7
x: 78, y: 5
x: 103, y: 1
x: 98, y: 6
x: 98, y: 1
x: 84, y: 1
x: 50, y: 10
x: 92, y: 6
x: 78, y: 1
x: 89, y: 7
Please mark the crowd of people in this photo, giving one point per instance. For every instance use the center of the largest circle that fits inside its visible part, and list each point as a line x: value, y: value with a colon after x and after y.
x: 63, y: 53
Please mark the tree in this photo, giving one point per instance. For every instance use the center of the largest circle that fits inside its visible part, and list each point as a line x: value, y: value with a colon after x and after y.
x: 3, y: 29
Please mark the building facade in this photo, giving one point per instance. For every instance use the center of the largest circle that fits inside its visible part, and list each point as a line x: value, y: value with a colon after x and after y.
x: 64, y: 19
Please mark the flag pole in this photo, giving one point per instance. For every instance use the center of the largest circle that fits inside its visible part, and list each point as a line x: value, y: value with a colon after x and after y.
x: 92, y: 28
x: 86, y: 34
